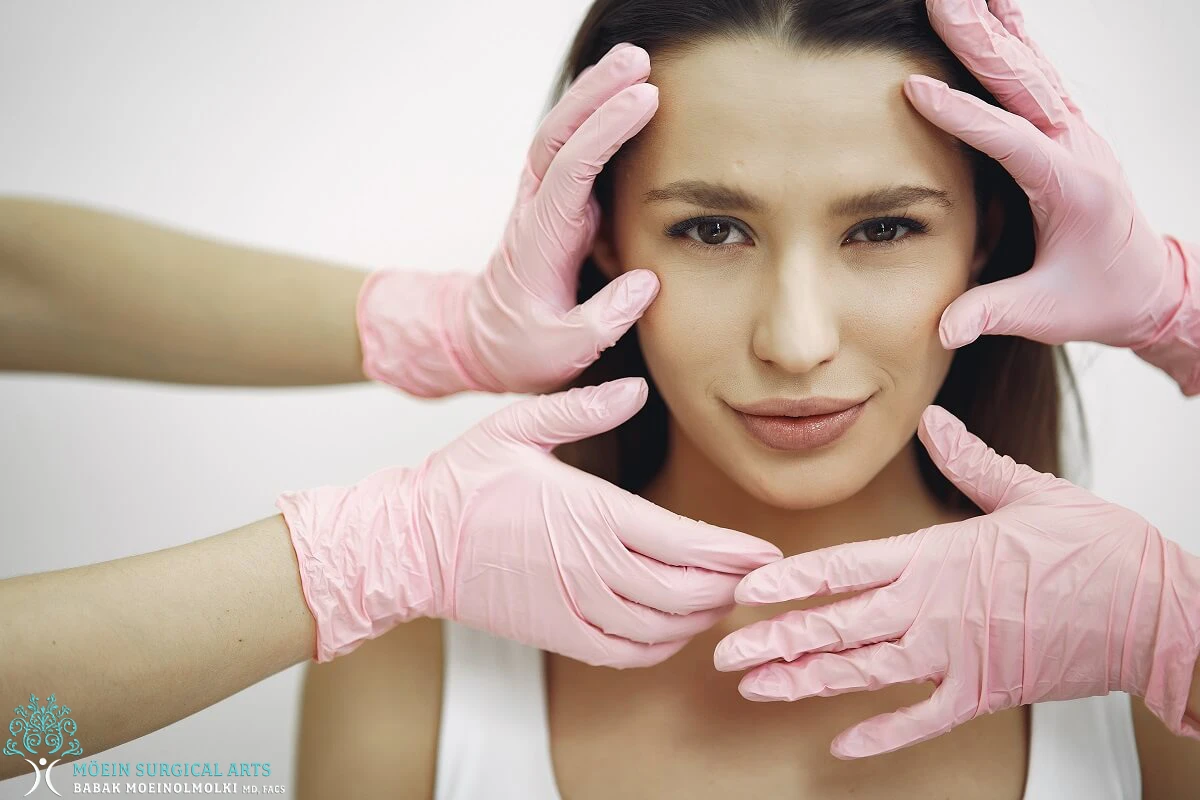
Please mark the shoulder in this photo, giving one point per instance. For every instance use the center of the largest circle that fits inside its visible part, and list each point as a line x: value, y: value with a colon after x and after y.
x: 377, y: 709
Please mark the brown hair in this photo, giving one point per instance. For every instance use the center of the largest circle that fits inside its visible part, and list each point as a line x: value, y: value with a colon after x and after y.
x: 1005, y: 389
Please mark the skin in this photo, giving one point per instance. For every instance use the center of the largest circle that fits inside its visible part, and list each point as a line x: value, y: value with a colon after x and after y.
x: 805, y: 305
x: 142, y: 648
x: 790, y: 310
x: 94, y: 293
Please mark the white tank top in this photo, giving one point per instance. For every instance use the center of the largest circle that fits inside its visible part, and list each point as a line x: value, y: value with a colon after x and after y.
x: 495, y: 736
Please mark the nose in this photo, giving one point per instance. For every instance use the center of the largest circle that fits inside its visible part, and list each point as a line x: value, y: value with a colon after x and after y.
x: 797, y: 329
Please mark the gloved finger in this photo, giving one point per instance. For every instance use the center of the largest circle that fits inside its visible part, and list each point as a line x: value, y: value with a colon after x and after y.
x: 550, y: 420
x: 1010, y: 16
x: 1001, y: 62
x: 675, y: 590
x: 613, y: 651
x: 856, y: 621
x: 989, y: 479
x: 672, y: 539
x: 553, y: 275
x: 841, y: 568
x: 596, y: 325
x: 622, y: 66
x: 617, y: 616
x: 907, y: 726
x: 829, y: 674
x: 1027, y: 154
x: 1012, y: 307
x: 559, y: 202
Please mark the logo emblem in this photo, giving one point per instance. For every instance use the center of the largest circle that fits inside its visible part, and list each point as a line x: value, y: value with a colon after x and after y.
x: 42, y: 731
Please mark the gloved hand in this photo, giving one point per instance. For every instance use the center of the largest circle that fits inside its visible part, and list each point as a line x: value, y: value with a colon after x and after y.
x: 515, y: 327
x: 1052, y: 594
x: 1101, y: 273
x: 494, y: 532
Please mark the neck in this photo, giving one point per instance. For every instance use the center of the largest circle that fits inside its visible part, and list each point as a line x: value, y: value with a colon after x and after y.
x: 895, y: 501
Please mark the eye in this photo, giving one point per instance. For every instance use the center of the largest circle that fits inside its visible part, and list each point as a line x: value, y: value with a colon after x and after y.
x: 710, y: 232
x: 885, y: 230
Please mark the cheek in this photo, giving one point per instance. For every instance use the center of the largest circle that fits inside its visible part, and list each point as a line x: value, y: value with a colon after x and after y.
x: 897, y: 313
x: 696, y: 323
x: 692, y: 330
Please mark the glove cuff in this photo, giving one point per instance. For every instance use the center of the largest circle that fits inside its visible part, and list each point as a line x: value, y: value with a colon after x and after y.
x: 1166, y: 617
x: 362, y: 561
x: 412, y: 329
x: 1175, y: 349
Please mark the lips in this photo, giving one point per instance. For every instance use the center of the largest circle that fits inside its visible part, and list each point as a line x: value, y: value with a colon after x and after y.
x: 783, y: 424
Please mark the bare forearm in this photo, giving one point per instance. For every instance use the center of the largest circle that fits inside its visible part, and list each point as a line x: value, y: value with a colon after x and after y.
x: 89, y: 292
x: 135, y: 644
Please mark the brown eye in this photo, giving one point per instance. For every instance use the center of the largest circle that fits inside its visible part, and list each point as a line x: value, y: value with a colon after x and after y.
x: 886, y: 230
x: 881, y: 231
x: 712, y: 231
x: 714, y: 234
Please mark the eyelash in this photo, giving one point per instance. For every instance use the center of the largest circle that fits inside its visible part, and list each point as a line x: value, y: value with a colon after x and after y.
x: 679, y: 230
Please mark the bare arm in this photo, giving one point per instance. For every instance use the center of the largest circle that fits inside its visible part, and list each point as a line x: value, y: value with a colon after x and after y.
x: 378, y: 710
x: 1170, y: 764
x: 94, y: 293
x: 138, y: 643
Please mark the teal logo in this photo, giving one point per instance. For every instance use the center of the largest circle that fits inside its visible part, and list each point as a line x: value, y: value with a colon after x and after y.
x: 41, y: 732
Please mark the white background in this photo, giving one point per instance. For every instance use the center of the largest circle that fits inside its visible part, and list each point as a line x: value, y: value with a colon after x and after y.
x: 391, y: 134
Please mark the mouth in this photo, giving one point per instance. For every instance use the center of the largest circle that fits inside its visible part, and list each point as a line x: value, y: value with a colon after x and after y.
x: 782, y: 424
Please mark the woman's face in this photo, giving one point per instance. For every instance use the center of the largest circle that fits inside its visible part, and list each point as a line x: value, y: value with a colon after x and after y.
x: 808, y: 227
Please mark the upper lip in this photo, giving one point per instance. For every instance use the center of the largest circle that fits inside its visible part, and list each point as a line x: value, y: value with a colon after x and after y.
x: 808, y: 407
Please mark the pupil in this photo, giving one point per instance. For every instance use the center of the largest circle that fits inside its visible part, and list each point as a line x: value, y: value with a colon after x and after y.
x: 713, y: 231
x: 881, y: 231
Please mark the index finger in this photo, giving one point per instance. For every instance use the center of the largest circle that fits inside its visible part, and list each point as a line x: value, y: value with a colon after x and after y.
x: 833, y: 570
x: 665, y: 536
x: 845, y: 625
x: 623, y: 66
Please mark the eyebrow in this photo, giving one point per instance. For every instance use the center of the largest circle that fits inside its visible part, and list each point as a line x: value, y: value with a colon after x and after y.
x: 703, y: 193
x: 888, y: 198
x: 715, y: 195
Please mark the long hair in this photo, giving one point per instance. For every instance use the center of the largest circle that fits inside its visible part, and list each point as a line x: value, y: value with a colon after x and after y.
x: 1007, y: 390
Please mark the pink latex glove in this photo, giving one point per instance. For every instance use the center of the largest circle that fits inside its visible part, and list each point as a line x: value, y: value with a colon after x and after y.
x: 1101, y: 273
x: 495, y: 532
x: 1053, y: 594
x: 515, y: 327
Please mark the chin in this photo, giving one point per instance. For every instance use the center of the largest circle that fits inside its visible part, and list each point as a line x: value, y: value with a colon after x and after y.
x: 803, y: 487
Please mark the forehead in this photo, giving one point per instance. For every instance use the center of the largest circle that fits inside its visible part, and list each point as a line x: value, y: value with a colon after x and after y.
x: 750, y: 109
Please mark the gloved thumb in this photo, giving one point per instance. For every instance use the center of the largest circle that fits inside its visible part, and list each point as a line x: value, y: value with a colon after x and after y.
x: 610, y: 313
x: 989, y: 479
x: 1010, y: 307
x: 569, y: 416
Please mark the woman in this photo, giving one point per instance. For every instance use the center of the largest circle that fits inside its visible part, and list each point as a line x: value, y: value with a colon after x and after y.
x: 808, y: 228
x: 99, y: 250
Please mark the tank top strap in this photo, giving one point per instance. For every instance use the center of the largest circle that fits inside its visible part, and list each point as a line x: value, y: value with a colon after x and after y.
x: 494, y: 737
x: 1083, y: 748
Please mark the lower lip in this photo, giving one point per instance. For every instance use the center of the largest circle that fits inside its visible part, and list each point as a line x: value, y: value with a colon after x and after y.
x: 801, y: 433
